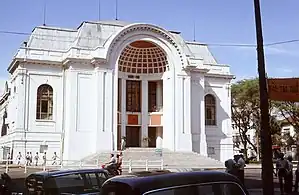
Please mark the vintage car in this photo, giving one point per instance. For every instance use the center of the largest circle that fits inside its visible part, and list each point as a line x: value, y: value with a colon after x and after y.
x: 169, y: 183
x: 82, y: 181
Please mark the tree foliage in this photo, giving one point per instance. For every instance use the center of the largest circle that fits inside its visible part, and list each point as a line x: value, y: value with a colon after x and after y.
x: 244, y: 104
x: 246, y: 113
x: 290, y: 112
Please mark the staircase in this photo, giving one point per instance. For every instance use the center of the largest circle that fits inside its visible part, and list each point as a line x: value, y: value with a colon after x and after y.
x: 171, y: 159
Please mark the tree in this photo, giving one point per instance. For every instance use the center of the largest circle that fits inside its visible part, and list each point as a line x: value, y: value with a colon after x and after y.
x: 290, y: 112
x: 246, y: 113
x: 244, y: 103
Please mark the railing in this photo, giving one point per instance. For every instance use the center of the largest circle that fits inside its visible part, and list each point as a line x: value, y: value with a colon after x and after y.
x: 129, y: 165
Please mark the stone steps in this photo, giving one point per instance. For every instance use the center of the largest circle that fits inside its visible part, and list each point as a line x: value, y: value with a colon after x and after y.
x: 170, y: 159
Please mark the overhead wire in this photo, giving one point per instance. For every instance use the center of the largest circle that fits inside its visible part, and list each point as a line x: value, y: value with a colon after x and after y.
x: 47, y: 37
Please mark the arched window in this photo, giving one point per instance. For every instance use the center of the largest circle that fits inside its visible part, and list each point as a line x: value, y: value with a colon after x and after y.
x: 44, y: 103
x: 210, y: 110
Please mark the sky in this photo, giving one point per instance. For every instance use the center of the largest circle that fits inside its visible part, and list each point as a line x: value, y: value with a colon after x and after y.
x: 215, y: 21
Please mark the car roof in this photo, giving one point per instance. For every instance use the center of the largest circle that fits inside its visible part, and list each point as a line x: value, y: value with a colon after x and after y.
x: 152, y: 181
x: 56, y: 173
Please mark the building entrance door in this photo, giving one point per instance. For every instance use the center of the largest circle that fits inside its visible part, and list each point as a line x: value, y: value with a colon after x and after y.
x: 152, y: 135
x: 132, y: 136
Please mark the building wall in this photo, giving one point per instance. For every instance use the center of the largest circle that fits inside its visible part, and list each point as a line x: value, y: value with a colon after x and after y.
x: 85, y: 95
x: 219, y: 137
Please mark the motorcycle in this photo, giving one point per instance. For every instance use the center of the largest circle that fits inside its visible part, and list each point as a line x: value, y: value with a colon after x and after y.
x: 112, y: 171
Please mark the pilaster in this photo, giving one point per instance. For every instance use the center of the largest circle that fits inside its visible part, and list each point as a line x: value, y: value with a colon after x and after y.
x: 169, y: 110
x: 203, y: 137
x: 183, y: 133
x: 21, y: 103
x: 100, y: 93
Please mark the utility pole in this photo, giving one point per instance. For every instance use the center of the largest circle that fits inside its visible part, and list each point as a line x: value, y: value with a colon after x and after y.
x: 266, y: 142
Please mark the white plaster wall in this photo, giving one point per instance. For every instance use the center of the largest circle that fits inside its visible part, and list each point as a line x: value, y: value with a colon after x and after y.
x: 79, y: 112
x: 36, y: 76
x: 88, y: 124
x: 219, y: 137
x: 168, y: 111
x: 182, y: 113
x: 199, y: 143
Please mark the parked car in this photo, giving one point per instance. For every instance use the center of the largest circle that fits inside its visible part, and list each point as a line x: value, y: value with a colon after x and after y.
x: 82, y: 181
x: 167, y: 183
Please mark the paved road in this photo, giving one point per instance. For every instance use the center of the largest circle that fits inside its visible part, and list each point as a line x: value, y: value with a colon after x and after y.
x: 253, y: 179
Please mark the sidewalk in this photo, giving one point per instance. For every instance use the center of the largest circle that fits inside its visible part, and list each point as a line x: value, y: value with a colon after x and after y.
x: 260, y: 191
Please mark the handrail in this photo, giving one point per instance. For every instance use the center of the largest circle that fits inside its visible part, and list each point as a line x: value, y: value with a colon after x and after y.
x: 52, y: 164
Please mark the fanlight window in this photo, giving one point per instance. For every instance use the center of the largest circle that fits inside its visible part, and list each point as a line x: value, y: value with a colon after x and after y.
x: 210, y: 110
x: 44, y: 103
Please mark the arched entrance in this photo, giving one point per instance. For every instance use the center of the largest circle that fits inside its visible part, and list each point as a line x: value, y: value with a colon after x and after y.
x: 141, y: 66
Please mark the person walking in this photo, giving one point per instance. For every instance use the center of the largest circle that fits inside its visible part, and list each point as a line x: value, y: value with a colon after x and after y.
x: 289, y: 176
x: 282, y: 167
x: 54, y: 158
x: 27, y: 159
x: 44, y: 159
x: 36, y: 158
x: 19, y: 158
x: 30, y: 158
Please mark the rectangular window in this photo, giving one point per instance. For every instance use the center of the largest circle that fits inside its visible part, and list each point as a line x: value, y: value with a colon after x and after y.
x: 133, y: 99
x: 152, y: 96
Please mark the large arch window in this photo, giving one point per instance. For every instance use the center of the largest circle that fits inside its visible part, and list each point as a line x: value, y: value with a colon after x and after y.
x: 210, y: 110
x: 44, y: 103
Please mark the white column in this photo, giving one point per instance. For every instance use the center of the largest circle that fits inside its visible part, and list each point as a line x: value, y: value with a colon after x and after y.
x: 159, y: 93
x: 123, y: 107
x: 203, y: 138
x: 169, y: 111
x: 100, y: 93
x: 20, y: 85
x: 144, y: 112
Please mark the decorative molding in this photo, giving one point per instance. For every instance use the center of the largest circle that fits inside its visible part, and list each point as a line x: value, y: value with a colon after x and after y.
x: 159, y: 32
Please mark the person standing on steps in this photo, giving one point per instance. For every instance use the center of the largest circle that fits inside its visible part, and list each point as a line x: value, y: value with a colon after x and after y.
x: 123, y: 144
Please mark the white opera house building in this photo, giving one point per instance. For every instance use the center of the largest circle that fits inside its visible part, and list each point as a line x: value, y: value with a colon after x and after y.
x: 80, y: 91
